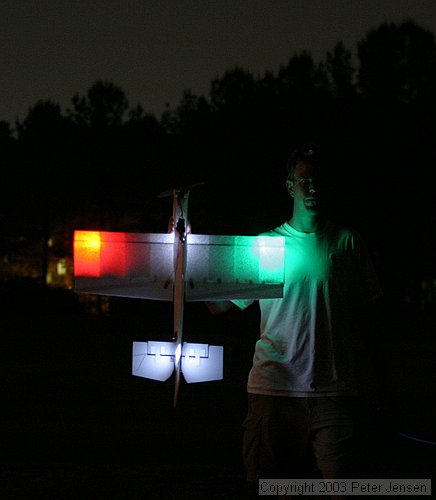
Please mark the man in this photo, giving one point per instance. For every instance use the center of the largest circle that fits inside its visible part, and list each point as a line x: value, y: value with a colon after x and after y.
x: 302, y: 386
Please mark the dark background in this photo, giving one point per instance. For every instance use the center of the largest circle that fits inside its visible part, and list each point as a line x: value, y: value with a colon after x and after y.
x: 75, y: 423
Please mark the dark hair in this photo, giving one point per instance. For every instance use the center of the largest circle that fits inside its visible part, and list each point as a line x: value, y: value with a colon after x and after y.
x: 308, y: 153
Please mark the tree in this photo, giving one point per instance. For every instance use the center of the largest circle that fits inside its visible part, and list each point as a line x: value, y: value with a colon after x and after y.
x: 300, y: 76
x: 105, y: 105
x: 397, y: 63
x: 43, y: 138
x: 8, y: 162
x: 40, y: 181
x: 397, y: 82
x: 340, y: 72
x: 235, y: 90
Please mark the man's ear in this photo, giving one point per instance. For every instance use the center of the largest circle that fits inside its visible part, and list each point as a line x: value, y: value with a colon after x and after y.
x: 290, y: 188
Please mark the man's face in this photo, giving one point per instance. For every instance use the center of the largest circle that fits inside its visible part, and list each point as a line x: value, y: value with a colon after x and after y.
x: 304, y: 187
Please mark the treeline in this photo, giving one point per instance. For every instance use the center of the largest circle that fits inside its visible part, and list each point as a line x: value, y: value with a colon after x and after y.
x: 102, y: 163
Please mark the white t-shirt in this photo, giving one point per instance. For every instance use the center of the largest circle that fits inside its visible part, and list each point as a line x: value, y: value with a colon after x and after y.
x: 305, y: 345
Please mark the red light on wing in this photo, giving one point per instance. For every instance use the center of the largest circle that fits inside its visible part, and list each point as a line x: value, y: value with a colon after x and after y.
x: 113, y: 254
x: 87, y: 249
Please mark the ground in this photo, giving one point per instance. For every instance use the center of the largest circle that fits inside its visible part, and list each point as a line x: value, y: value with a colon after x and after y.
x: 77, y: 425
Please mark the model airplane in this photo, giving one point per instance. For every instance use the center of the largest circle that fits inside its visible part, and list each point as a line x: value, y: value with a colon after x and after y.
x: 178, y: 266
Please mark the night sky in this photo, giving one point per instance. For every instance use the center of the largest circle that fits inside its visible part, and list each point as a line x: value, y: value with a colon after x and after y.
x: 155, y: 49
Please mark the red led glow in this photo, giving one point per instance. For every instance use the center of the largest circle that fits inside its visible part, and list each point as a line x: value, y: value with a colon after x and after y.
x: 87, y: 248
x: 99, y: 253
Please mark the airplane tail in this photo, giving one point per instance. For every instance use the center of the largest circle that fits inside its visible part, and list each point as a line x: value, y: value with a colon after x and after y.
x: 199, y: 362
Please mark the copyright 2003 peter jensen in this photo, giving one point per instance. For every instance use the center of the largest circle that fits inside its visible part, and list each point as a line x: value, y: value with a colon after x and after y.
x: 344, y: 487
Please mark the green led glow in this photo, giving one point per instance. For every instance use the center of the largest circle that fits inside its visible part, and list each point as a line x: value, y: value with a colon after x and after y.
x: 258, y: 257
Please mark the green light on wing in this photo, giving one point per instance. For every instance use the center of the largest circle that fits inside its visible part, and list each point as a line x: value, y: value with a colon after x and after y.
x: 229, y: 267
x: 259, y: 259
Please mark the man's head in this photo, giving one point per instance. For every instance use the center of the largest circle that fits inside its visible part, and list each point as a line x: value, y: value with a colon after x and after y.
x: 307, y: 153
x: 303, y: 177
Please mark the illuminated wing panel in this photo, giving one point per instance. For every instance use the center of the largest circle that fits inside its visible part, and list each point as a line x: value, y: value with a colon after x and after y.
x: 124, y: 264
x: 234, y: 267
x: 142, y: 265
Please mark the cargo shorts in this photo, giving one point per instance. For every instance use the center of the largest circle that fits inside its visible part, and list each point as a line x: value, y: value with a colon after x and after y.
x: 298, y: 437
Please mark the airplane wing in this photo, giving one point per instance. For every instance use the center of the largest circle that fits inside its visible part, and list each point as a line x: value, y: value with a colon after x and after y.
x: 141, y: 265
x: 234, y: 267
x: 124, y: 264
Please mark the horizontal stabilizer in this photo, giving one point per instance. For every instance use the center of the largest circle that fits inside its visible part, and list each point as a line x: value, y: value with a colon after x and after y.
x: 155, y: 360
x: 202, y: 362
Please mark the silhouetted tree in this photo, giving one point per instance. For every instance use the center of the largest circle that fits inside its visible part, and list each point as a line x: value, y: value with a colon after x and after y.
x: 9, y: 168
x: 235, y: 102
x: 340, y: 72
x: 397, y: 63
x: 235, y: 90
x: 190, y: 129
x: 120, y: 155
x: 105, y: 105
x: 397, y: 83
x: 303, y: 95
x: 40, y: 181
x: 99, y: 153
x: 147, y: 163
x: 43, y: 137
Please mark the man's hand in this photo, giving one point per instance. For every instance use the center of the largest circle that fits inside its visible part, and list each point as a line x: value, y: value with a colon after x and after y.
x: 219, y: 306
